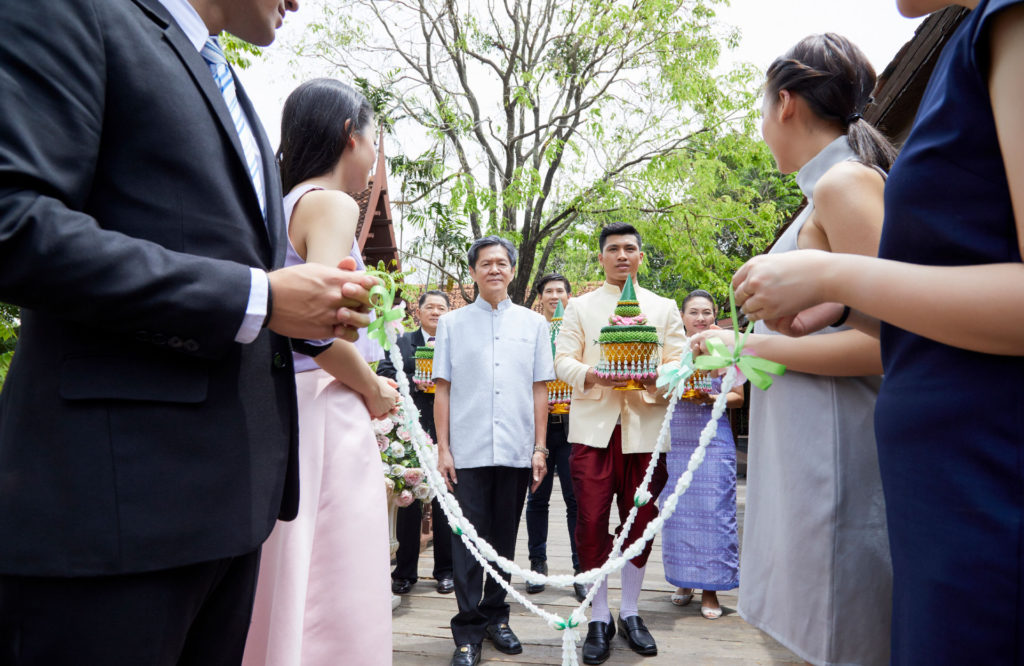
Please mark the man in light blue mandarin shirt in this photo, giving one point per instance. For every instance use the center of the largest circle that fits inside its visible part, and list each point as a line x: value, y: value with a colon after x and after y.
x: 491, y: 362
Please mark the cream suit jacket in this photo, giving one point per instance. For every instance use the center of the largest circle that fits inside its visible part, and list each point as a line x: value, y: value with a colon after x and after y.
x: 594, y: 412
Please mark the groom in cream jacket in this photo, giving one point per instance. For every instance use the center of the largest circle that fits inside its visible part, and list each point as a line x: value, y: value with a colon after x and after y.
x: 613, y: 434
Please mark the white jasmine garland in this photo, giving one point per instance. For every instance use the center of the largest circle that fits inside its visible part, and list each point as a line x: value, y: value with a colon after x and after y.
x: 485, y: 554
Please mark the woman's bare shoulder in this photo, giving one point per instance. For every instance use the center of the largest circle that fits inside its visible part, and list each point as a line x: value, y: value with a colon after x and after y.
x: 332, y: 202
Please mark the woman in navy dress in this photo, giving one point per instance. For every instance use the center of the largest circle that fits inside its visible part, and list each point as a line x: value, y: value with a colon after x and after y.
x: 947, y: 300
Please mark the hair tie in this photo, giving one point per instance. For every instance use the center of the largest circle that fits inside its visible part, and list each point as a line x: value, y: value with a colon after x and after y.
x: 853, y: 117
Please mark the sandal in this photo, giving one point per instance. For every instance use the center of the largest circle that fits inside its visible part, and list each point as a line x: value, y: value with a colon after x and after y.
x: 710, y: 613
x: 679, y: 598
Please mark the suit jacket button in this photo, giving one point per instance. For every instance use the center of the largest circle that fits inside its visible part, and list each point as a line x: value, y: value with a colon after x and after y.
x: 191, y: 346
x: 174, y: 342
x: 278, y: 360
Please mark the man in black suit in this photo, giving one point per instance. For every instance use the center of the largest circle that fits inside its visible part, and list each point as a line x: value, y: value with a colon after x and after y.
x: 148, y: 423
x: 552, y: 289
x: 432, y: 305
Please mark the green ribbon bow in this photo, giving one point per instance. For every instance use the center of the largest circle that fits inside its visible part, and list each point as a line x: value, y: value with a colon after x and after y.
x: 673, y: 375
x: 756, y: 369
x: 382, y: 300
x: 562, y: 625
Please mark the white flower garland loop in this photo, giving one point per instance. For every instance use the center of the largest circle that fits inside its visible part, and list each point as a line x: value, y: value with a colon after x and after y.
x: 485, y: 554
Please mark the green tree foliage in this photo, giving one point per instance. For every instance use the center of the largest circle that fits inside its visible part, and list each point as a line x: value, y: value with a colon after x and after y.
x: 701, y: 214
x: 9, y: 325
x: 703, y: 211
x: 237, y: 51
x: 540, y: 120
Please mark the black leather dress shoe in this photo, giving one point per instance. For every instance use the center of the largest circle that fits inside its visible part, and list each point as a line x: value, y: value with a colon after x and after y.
x: 635, y: 632
x: 597, y: 645
x: 466, y: 655
x: 445, y: 585
x: 579, y: 589
x: 401, y: 585
x: 541, y: 567
x: 503, y: 638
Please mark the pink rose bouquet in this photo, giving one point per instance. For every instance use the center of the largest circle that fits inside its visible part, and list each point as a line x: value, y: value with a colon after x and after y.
x: 413, y: 476
x: 404, y: 498
x: 403, y: 472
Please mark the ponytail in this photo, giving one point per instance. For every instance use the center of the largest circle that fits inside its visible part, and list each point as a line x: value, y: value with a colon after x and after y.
x: 835, y: 78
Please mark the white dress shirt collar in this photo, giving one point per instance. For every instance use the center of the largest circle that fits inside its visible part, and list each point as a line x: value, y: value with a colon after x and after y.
x: 189, y: 20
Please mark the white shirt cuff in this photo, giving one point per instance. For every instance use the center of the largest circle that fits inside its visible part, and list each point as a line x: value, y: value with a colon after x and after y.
x: 256, y: 310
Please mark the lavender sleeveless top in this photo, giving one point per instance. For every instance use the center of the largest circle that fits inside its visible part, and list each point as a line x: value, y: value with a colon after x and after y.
x: 370, y: 350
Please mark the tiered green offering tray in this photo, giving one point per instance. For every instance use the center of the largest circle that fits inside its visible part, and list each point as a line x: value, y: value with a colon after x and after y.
x: 559, y: 393
x: 629, y: 347
x: 424, y: 375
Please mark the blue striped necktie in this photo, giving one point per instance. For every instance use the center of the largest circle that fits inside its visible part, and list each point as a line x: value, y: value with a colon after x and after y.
x: 214, y: 57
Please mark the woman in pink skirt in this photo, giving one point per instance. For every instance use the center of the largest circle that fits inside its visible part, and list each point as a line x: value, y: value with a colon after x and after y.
x: 323, y: 596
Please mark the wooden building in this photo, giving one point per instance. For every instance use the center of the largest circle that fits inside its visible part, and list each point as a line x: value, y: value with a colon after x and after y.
x: 901, y: 85
x: 375, y: 230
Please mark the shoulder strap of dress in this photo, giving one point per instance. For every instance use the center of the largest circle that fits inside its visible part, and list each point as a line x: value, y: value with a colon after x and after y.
x: 292, y: 198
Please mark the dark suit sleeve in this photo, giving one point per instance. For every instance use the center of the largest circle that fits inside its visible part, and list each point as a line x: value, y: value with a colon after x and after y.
x: 54, y: 256
x: 385, y: 368
x: 405, y: 344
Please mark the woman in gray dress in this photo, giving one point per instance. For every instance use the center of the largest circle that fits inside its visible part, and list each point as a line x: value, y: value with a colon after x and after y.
x: 815, y: 557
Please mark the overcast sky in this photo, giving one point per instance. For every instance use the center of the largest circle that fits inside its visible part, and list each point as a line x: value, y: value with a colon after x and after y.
x: 768, y: 28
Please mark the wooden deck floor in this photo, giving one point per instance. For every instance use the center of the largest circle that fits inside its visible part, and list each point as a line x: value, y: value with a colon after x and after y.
x: 422, y: 634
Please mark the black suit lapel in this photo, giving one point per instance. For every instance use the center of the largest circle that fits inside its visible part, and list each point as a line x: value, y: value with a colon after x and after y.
x: 276, y: 226
x: 203, y: 78
x: 409, y: 360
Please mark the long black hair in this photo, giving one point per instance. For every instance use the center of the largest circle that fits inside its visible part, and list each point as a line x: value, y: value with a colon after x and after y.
x: 835, y: 79
x: 318, y: 119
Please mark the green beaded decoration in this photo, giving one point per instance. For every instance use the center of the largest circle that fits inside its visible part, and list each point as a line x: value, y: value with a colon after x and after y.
x: 628, y: 334
x: 628, y: 306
